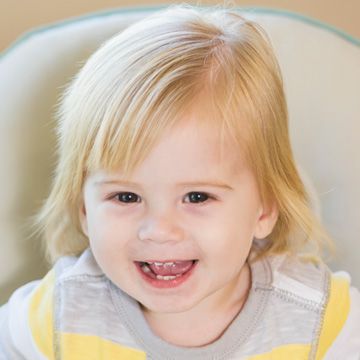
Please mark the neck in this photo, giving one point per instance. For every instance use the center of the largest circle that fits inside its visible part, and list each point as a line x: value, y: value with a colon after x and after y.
x: 206, y: 322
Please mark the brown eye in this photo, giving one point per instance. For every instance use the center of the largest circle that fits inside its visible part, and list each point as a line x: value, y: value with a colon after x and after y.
x: 196, y: 197
x: 127, y: 197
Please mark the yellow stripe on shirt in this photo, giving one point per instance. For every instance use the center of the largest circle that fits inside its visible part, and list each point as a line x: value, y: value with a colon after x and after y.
x: 286, y: 352
x: 75, y: 347
x: 336, y: 314
x: 40, y: 315
x: 335, y: 317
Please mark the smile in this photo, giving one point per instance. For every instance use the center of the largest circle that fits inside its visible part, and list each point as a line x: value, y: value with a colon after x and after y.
x: 166, y: 274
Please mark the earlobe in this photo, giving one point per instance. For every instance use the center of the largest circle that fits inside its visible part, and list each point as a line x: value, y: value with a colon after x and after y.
x: 266, y: 222
x: 83, y: 218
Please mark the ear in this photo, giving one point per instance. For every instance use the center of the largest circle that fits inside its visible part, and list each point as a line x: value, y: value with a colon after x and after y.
x: 266, y: 222
x: 83, y: 217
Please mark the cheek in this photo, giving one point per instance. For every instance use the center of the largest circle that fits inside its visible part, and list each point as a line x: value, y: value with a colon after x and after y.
x: 230, y: 237
x: 110, y: 240
x: 223, y: 239
x: 105, y: 230
x: 113, y: 235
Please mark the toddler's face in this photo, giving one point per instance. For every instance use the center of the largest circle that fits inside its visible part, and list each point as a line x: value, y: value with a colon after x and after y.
x: 177, y: 233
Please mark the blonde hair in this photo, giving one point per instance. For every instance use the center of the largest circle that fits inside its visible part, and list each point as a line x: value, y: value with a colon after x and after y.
x: 140, y: 82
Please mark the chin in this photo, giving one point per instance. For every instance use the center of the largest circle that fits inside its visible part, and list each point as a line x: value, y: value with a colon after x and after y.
x: 167, y: 306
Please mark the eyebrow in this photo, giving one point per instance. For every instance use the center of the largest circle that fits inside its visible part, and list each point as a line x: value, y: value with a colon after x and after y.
x: 214, y: 183
x: 117, y: 182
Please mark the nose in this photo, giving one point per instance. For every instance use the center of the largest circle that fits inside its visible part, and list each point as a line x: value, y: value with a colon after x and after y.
x: 160, y: 228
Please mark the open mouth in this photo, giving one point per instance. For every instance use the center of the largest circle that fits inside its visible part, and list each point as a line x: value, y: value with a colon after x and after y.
x: 166, y: 271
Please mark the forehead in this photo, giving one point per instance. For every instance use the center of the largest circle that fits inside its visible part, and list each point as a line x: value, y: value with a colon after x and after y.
x: 198, y: 143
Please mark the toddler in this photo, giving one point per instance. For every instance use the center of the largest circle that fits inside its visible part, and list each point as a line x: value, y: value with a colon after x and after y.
x: 177, y: 218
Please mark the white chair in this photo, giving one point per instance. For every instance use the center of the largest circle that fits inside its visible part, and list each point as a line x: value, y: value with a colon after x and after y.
x: 321, y: 68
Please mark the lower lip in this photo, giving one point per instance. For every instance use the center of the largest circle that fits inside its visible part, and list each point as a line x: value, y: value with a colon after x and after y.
x: 167, y: 284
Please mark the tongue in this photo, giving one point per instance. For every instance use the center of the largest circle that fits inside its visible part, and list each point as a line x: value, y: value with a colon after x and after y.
x: 176, y: 268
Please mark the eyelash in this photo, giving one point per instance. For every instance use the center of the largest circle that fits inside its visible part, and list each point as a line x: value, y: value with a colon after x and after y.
x: 132, y: 197
x: 198, y: 197
x: 194, y: 197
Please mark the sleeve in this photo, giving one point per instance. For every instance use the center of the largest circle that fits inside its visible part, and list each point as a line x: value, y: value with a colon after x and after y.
x: 26, y: 322
x: 342, y: 322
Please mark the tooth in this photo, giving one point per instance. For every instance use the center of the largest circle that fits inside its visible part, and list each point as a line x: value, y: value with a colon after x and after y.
x: 167, y: 277
x: 145, y: 269
x: 158, y: 263
x: 169, y: 263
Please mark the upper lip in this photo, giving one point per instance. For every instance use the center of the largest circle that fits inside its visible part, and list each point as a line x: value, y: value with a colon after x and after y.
x: 164, y: 261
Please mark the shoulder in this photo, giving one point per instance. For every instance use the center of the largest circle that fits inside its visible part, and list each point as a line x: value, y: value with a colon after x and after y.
x: 70, y: 311
x: 294, y: 279
x: 340, y: 336
x: 20, y: 319
x: 27, y: 320
x: 319, y: 296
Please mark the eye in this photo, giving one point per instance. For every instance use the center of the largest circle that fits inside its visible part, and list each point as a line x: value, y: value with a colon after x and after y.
x: 127, y: 197
x: 196, y: 197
